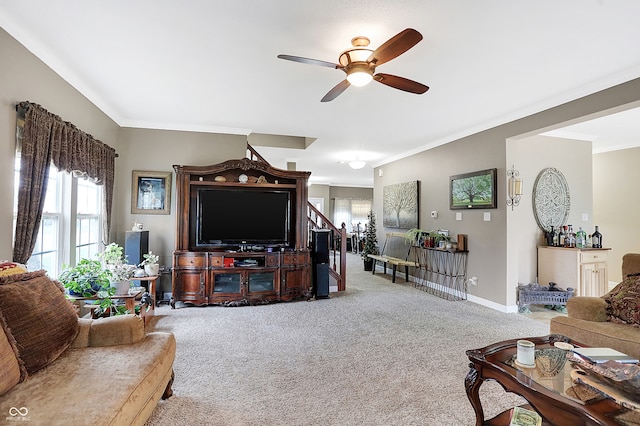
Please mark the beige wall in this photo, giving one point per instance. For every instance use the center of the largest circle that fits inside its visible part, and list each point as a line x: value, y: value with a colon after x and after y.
x: 330, y: 193
x: 616, y: 204
x: 158, y: 151
x: 530, y: 156
x: 23, y: 77
x: 490, y: 249
x: 487, y: 240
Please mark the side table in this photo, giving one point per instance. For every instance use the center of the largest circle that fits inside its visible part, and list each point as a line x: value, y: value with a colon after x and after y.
x: 151, y: 288
x: 129, y: 300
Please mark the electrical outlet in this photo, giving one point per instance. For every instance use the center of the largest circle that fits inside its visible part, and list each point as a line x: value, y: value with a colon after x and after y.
x: 473, y: 281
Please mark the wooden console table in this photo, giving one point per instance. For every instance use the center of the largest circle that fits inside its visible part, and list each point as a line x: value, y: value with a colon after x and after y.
x: 442, y: 273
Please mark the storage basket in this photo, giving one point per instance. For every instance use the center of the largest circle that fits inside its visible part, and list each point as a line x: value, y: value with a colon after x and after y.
x: 535, y: 294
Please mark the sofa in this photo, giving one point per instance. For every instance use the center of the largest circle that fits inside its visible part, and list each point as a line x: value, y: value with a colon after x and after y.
x: 612, y: 320
x: 58, y: 369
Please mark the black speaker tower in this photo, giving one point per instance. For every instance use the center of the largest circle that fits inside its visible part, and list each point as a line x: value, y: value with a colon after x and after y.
x: 320, y: 262
x: 136, y: 243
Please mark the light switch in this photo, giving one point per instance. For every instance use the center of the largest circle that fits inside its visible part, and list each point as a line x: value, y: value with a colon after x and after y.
x: 458, y: 215
x: 585, y: 217
x: 487, y: 216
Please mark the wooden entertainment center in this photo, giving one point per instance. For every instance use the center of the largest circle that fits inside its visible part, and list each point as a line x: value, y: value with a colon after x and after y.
x: 218, y: 261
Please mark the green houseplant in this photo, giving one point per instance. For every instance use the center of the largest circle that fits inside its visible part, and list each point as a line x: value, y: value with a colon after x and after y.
x: 85, y: 279
x: 370, y: 241
x: 119, y: 271
x: 150, y: 263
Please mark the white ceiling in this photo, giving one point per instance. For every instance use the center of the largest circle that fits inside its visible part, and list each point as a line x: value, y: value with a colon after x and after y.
x: 211, y: 66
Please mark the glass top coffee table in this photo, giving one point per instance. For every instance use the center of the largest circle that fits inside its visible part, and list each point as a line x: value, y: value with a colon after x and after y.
x: 548, y: 388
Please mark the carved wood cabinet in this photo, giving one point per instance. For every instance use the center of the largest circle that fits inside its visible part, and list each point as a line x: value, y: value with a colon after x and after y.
x: 221, y: 272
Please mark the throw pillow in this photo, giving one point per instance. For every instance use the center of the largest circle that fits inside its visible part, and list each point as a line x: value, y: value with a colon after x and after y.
x: 38, y: 316
x: 623, y: 302
x: 11, y: 268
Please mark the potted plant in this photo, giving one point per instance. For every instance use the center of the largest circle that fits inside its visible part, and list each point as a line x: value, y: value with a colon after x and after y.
x: 85, y: 279
x: 150, y: 263
x: 119, y: 271
x: 417, y: 237
x: 370, y: 242
x: 107, y: 306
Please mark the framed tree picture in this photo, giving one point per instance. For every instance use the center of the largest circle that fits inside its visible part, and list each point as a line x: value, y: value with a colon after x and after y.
x: 476, y: 190
x: 151, y: 192
x: 400, y: 205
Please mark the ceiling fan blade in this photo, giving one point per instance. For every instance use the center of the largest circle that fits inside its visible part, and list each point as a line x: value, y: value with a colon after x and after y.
x: 395, y: 46
x: 333, y: 93
x: 401, y: 83
x: 310, y: 61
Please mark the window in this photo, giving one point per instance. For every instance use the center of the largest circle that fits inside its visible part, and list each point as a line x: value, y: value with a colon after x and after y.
x: 89, y: 204
x: 70, y: 228
x: 351, y: 212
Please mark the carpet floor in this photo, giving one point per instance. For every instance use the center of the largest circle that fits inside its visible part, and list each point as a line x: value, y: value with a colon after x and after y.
x: 380, y: 353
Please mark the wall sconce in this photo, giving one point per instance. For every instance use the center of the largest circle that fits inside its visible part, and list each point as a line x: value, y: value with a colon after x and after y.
x: 514, y: 187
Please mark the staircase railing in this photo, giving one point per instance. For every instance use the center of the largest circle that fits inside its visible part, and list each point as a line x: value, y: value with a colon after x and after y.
x: 337, y: 246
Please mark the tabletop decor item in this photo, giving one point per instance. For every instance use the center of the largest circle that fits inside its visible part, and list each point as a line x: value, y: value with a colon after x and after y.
x: 150, y: 263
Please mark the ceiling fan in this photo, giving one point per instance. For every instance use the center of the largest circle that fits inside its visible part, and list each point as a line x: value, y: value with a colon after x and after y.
x: 359, y: 63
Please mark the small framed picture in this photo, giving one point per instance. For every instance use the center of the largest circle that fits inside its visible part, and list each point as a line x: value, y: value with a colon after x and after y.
x: 476, y: 190
x: 150, y: 192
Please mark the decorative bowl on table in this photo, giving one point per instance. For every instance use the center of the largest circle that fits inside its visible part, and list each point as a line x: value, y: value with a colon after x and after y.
x: 624, y: 377
x: 550, y: 361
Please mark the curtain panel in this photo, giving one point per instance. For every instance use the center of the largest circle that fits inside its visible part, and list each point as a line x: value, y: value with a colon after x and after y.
x: 47, y: 139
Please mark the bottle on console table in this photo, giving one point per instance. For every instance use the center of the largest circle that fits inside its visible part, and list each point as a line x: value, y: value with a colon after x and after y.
x: 561, y: 237
x: 581, y: 238
x: 596, y: 239
x: 570, y: 238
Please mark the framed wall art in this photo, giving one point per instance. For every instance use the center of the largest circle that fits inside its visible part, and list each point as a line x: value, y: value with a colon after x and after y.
x: 400, y: 205
x: 476, y: 190
x: 150, y: 192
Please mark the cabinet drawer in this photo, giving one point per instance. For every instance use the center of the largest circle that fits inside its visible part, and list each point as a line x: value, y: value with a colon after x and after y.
x: 272, y: 259
x: 294, y: 258
x: 197, y: 261
x: 216, y: 261
x: 593, y: 256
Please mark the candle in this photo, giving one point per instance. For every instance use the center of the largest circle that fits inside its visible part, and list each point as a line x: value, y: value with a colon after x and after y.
x: 526, y: 353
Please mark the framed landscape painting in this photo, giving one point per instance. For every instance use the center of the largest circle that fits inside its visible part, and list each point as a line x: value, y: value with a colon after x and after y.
x: 476, y: 190
x: 400, y: 205
x: 151, y: 192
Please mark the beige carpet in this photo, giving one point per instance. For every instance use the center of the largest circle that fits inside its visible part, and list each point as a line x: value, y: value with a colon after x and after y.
x: 378, y: 354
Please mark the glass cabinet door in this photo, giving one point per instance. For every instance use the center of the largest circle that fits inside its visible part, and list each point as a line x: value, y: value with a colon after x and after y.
x: 227, y: 283
x: 261, y: 281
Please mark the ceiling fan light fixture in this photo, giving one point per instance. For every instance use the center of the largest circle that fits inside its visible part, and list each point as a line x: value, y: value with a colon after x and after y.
x: 359, y: 78
x: 357, y: 164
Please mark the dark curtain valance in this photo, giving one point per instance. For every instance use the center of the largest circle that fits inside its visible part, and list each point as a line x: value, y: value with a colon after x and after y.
x: 47, y: 139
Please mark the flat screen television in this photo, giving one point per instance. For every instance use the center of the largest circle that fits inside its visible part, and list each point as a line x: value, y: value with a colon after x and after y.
x: 235, y: 216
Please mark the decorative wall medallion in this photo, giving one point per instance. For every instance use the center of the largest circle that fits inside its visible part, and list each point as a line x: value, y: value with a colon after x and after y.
x: 551, y: 200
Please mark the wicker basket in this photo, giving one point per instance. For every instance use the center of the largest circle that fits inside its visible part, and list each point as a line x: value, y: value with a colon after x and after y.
x: 535, y: 294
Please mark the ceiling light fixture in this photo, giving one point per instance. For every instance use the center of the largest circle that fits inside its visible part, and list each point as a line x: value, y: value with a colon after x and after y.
x: 357, y: 164
x: 359, y: 71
